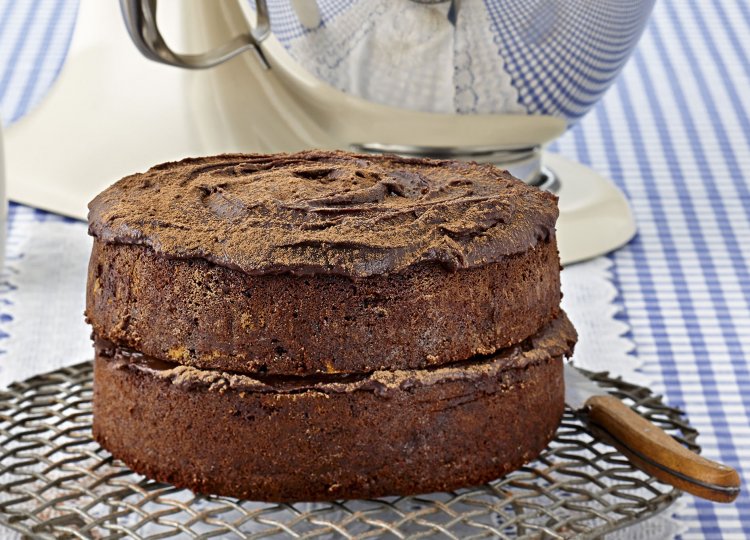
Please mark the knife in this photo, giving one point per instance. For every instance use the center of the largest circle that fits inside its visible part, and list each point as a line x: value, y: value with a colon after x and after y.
x: 646, y: 445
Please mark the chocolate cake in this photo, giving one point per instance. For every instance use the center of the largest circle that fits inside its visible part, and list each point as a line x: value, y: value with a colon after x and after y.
x: 325, y: 325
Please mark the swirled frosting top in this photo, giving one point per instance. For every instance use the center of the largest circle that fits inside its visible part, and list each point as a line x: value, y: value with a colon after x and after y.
x: 322, y: 212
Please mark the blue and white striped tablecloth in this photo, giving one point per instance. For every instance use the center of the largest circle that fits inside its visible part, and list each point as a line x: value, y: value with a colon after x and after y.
x: 674, y: 133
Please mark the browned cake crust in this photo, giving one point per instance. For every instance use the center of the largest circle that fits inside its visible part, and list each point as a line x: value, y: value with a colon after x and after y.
x: 197, y: 313
x: 332, y: 436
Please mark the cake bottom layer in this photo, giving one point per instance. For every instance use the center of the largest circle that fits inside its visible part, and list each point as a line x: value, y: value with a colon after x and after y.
x: 334, y: 436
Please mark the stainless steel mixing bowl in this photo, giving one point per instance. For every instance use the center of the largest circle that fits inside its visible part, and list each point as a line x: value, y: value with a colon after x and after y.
x: 533, y: 57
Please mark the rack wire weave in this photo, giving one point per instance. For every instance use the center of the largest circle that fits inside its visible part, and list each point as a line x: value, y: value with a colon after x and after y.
x: 56, y: 482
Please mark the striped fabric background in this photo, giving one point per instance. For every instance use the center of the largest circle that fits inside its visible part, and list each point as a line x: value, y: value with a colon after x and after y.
x: 34, y: 37
x: 674, y: 132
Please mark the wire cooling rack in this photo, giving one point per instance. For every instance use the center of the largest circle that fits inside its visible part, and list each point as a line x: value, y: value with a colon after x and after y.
x: 56, y: 482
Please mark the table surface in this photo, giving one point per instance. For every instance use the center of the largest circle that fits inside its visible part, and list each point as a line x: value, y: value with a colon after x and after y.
x: 674, y: 133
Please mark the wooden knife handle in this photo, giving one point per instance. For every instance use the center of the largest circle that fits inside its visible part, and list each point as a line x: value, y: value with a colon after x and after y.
x: 652, y: 450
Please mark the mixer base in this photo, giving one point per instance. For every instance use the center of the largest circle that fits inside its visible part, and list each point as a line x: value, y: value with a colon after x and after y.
x: 595, y: 217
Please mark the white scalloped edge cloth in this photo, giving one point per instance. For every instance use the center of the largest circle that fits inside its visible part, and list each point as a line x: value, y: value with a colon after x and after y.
x: 590, y: 299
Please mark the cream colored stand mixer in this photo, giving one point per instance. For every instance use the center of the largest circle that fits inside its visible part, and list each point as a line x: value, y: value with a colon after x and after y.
x: 484, y: 80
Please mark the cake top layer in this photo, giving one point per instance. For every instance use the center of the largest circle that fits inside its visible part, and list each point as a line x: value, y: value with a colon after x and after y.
x: 321, y: 212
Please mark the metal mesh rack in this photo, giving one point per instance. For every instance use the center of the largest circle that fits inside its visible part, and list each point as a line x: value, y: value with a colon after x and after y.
x: 56, y: 482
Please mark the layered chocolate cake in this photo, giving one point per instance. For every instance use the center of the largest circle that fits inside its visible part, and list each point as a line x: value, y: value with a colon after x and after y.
x: 325, y: 325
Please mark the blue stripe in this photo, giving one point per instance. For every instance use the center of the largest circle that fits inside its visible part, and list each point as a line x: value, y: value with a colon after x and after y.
x: 733, y: 39
x: 17, y: 48
x: 744, y: 9
x: 693, y: 222
x: 727, y: 146
x: 42, y: 53
x: 657, y: 322
x: 732, y: 245
x: 5, y: 16
x: 581, y: 147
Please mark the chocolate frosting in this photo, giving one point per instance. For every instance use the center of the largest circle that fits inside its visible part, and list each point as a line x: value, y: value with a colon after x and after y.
x: 325, y: 212
x: 554, y: 340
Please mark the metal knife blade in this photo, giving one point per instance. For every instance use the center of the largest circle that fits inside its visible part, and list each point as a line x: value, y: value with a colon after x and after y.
x: 646, y: 445
x: 579, y: 388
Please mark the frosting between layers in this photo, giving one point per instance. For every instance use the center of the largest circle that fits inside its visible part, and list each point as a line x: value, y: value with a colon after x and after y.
x: 554, y: 340
x: 325, y: 212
